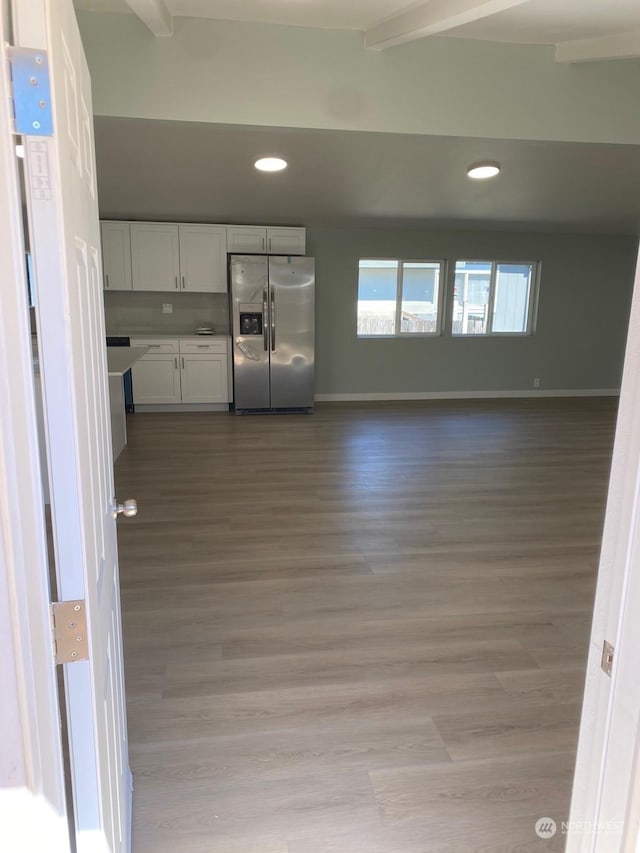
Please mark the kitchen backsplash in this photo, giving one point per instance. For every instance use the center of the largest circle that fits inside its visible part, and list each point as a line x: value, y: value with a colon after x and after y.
x: 142, y: 312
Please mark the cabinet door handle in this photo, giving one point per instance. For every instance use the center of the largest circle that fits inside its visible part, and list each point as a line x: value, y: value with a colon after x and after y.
x: 106, y: 278
x: 269, y: 243
x: 183, y: 362
x: 263, y: 244
x: 184, y: 287
x: 176, y: 282
x: 176, y: 362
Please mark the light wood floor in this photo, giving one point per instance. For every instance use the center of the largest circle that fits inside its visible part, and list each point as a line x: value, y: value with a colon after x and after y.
x: 361, y: 631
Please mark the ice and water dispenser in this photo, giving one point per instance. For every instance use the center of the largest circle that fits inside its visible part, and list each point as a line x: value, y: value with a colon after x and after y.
x: 251, y: 320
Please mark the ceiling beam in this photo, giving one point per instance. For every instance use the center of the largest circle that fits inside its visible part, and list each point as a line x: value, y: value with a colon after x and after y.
x: 619, y: 46
x: 154, y: 14
x: 430, y: 18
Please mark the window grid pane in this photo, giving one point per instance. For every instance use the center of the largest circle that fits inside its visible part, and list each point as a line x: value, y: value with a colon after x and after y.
x: 471, y: 297
x: 420, y: 297
x: 398, y: 298
x: 377, y: 295
x: 512, y: 298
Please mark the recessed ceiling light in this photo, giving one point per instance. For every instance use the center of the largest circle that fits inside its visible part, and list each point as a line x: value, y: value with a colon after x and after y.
x: 480, y: 171
x: 20, y: 151
x: 271, y: 164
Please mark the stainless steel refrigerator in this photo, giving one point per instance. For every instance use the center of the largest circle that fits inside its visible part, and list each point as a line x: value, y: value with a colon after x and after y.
x: 272, y: 308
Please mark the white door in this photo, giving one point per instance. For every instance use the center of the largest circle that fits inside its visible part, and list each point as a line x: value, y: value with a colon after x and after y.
x: 65, y: 243
x: 605, y: 807
x: 203, y: 258
x: 32, y: 794
x: 155, y: 256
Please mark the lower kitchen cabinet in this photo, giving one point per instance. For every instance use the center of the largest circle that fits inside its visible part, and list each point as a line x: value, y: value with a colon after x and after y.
x: 189, y: 370
x: 156, y: 379
x: 204, y: 378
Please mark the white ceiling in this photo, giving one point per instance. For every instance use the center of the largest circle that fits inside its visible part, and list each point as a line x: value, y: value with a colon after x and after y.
x: 554, y: 21
x: 533, y: 21
x: 204, y: 172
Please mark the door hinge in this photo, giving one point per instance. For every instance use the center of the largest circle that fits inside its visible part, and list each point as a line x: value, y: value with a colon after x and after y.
x: 69, y: 623
x: 31, y: 91
x: 607, y: 657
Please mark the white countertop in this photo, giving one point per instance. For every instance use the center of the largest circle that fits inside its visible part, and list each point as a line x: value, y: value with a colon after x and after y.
x: 120, y: 359
x: 168, y: 335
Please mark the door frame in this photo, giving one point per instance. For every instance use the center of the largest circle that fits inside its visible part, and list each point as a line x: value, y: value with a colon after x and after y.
x: 32, y: 797
x: 32, y: 789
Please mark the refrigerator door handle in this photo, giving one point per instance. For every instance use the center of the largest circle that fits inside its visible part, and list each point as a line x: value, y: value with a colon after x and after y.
x: 265, y: 315
x: 273, y: 321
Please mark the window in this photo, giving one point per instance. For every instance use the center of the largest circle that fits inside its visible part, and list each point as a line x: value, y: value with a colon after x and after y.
x: 399, y: 298
x: 493, y: 298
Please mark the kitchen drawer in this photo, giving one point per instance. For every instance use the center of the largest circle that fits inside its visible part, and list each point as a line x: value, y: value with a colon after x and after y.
x: 203, y: 347
x: 156, y: 344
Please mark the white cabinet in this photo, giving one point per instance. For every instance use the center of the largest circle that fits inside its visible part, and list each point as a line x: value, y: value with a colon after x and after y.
x: 116, y: 255
x: 246, y: 238
x: 156, y: 378
x: 155, y: 256
x: 286, y: 241
x: 259, y: 239
x: 203, y: 258
x: 187, y: 258
x: 204, y: 370
x: 182, y: 258
x: 204, y: 378
x: 189, y: 370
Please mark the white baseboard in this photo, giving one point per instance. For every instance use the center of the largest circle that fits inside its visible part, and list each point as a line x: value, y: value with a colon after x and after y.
x: 467, y: 395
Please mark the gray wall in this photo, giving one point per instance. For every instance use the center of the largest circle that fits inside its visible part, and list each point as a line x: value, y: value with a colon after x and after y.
x: 584, y: 302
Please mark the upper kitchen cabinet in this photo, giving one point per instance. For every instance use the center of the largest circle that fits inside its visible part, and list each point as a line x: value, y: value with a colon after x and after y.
x: 246, y: 238
x: 286, y: 241
x: 116, y: 255
x: 258, y: 240
x: 203, y: 258
x: 155, y: 256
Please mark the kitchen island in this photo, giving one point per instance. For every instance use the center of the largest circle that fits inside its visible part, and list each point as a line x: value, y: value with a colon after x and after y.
x: 119, y: 361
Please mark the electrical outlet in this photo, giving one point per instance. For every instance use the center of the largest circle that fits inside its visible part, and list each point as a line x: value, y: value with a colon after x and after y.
x: 167, y: 308
x: 536, y: 382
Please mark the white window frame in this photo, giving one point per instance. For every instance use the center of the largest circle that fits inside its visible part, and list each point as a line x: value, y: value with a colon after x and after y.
x: 531, y: 307
x: 442, y: 282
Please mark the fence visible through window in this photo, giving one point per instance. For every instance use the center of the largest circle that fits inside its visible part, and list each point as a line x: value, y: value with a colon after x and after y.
x: 399, y: 297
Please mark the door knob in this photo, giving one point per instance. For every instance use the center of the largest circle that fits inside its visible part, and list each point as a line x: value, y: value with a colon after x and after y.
x: 128, y: 508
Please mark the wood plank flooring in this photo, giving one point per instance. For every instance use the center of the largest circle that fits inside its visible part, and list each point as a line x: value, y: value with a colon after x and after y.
x: 361, y: 631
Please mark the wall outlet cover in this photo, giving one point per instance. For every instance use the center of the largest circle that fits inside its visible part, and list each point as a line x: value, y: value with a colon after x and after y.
x: 167, y: 308
x: 536, y: 382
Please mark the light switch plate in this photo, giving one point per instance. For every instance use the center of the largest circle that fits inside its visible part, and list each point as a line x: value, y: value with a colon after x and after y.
x: 167, y: 308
